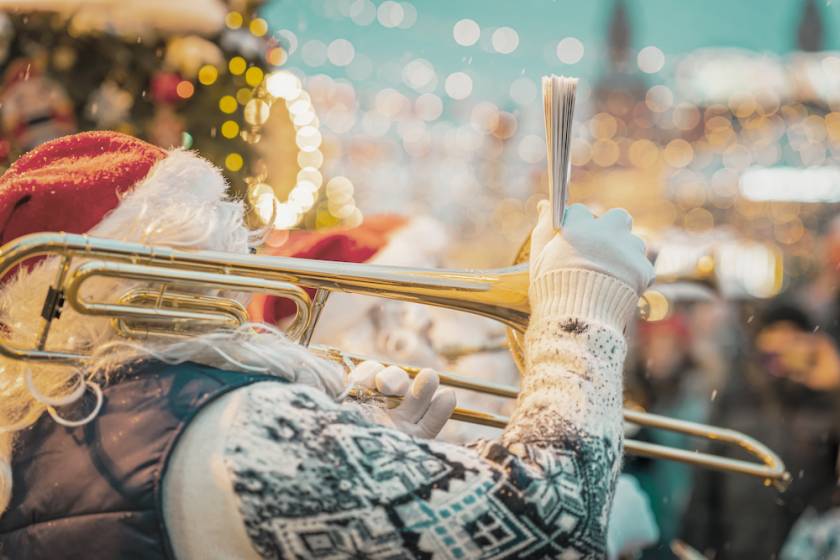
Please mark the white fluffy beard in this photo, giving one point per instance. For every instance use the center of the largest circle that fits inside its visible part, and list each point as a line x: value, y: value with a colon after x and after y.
x: 181, y: 204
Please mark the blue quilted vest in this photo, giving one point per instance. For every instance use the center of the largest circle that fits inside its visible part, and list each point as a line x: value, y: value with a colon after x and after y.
x: 94, y: 492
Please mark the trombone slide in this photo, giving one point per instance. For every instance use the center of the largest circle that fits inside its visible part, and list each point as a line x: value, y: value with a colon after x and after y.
x: 770, y: 469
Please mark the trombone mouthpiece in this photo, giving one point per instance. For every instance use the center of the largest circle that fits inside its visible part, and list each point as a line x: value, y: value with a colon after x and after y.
x: 559, y: 100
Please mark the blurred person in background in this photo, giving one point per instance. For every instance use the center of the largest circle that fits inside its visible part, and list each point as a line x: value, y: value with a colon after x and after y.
x: 665, y: 379
x: 786, y: 395
x: 821, y: 297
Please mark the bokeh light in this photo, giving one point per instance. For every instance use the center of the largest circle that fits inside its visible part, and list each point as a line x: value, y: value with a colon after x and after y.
x: 314, y: 53
x: 459, y: 85
x: 341, y: 52
x: 230, y: 129
x: 570, y: 50
x: 234, y: 161
x: 390, y: 13
x: 185, y: 89
x: 253, y: 76
x: 208, y: 74
x: 258, y: 27
x: 237, y: 65
x: 466, y: 32
x: 650, y: 60
x: 505, y: 40
x: 283, y: 84
x: 233, y: 20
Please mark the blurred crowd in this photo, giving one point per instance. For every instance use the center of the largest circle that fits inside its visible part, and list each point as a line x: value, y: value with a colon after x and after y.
x: 767, y: 368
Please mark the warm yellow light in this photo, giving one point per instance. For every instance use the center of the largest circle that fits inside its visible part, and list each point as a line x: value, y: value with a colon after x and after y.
x: 705, y: 265
x: 654, y: 306
x: 678, y: 153
x: 341, y: 209
x: 699, y: 219
x: 254, y: 76
x: 185, y: 89
x: 323, y: 219
x: 643, y: 154
x: 243, y: 95
x: 258, y: 27
x: 265, y: 206
x: 256, y: 112
x: 251, y: 136
x: 605, y: 153
x: 207, y: 74
x: 308, y: 138
x: 276, y: 56
x: 227, y: 104
x: 603, y: 126
x: 832, y: 126
x: 230, y: 129
x: 340, y: 188
x: 302, y: 199
x: 310, y: 175
x: 286, y: 216
x: 310, y: 159
x: 233, y: 20
x: 283, y: 84
x: 237, y: 65
x: 259, y: 190
x: 355, y: 219
x: 234, y: 161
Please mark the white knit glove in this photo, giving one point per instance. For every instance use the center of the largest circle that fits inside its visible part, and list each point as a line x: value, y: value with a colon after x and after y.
x: 594, y: 268
x: 423, y: 411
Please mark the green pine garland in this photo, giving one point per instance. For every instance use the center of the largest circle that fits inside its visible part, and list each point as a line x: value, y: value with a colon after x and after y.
x: 131, y: 64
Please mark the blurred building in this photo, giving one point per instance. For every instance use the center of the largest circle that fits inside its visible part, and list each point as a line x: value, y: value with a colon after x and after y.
x: 734, y: 145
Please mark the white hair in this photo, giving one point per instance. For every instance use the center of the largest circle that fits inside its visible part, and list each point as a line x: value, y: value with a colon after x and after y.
x: 182, y: 204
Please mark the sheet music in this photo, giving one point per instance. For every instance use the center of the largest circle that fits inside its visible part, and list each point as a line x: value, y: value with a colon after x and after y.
x: 559, y: 100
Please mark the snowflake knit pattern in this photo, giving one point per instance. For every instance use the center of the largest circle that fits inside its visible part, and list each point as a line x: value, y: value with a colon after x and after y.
x: 316, y: 479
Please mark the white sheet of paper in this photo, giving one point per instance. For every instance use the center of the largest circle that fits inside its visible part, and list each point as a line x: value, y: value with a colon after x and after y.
x: 559, y: 101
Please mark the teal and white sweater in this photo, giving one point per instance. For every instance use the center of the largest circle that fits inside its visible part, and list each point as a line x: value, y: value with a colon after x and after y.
x: 288, y: 473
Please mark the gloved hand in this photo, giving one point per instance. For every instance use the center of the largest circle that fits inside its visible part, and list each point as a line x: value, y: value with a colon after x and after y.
x: 604, y: 244
x: 568, y: 268
x: 423, y: 411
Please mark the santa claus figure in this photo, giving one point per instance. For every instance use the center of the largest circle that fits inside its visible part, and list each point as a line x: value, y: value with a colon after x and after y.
x: 237, y: 444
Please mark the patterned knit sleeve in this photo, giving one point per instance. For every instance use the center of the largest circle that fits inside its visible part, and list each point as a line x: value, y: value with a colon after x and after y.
x: 315, y: 479
x: 565, y: 435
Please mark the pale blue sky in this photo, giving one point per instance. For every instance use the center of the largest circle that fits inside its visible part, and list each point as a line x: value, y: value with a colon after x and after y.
x: 674, y: 26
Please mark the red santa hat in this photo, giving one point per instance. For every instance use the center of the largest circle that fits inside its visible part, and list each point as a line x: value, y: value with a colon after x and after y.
x: 70, y: 183
x: 76, y: 183
x: 386, y: 239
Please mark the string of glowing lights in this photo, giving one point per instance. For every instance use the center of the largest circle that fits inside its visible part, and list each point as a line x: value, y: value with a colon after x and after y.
x: 264, y: 89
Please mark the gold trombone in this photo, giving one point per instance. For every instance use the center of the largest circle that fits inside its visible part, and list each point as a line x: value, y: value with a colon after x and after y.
x: 172, y: 310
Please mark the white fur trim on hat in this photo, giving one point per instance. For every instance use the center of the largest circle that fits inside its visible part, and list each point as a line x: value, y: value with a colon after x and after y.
x: 179, y: 203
